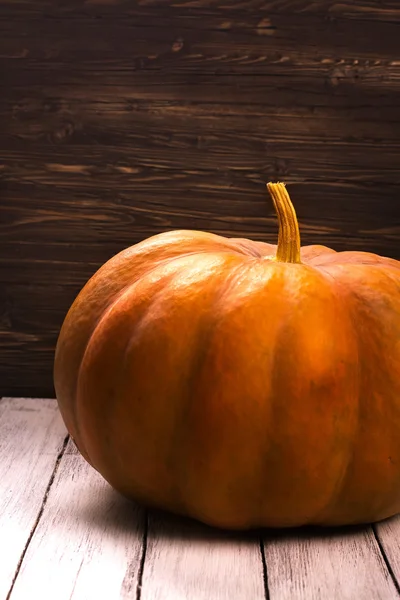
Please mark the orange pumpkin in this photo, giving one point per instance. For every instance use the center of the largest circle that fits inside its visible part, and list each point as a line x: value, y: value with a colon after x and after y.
x: 237, y: 382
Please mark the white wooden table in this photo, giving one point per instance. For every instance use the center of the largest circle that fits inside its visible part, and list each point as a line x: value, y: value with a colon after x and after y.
x: 65, y: 534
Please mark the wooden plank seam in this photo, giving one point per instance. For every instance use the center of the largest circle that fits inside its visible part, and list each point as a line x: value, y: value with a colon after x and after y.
x: 143, y: 557
x: 40, y: 513
x: 385, y: 557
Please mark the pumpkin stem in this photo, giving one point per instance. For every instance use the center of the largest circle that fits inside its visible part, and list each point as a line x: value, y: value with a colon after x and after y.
x: 288, y: 249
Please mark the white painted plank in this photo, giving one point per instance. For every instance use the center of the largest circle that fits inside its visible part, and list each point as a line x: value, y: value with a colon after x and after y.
x: 88, y: 543
x: 317, y: 566
x: 188, y: 561
x: 31, y: 437
x: 388, y: 533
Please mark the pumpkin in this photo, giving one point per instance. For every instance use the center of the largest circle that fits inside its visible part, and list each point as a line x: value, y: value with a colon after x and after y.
x: 240, y: 383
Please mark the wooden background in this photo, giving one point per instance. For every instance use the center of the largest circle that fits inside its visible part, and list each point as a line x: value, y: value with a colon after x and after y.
x: 121, y: 119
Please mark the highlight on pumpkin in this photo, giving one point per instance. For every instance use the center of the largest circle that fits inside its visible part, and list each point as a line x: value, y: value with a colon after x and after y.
x: 289, y: 235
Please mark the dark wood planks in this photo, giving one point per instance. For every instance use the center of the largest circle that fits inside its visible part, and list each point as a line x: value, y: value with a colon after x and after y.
x: 121, y: 119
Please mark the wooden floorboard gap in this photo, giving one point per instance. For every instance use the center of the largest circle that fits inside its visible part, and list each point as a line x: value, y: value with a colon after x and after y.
x: 386, y: 560
x: 67, y: 535
x: 39, y: 516
x: 265, y: 570
x: 143, y: 557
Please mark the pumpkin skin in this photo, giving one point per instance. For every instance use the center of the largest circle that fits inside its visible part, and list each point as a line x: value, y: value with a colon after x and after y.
x: 237, y: 382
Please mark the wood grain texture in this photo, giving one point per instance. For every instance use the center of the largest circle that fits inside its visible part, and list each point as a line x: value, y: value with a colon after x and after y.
x: 65, y: 534
x: 31, y: 438
x: 88, y: 543
x: 121, y: 119
x: 187, y: 561
x: 345, y: 564
x: 388, y: 535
